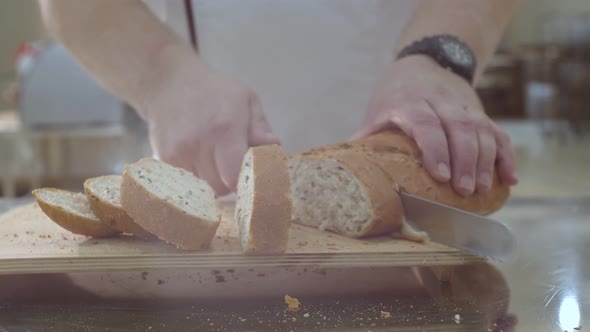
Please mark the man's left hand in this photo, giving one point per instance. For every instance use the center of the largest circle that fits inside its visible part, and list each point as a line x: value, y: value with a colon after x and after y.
x: 443, y: 114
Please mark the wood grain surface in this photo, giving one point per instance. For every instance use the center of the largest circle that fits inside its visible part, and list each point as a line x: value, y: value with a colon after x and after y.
x: 32, y: 243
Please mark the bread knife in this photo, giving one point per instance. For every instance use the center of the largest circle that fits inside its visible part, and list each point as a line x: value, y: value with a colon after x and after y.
x: 470, y: 232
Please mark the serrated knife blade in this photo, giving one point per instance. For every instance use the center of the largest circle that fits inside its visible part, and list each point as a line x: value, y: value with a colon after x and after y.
x: 470, y: 232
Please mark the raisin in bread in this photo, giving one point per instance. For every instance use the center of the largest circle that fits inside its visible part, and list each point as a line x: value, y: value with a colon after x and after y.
x: 72, y: 211
x: 263, y: 205
x: 170, y: 203
x: 104, y: 196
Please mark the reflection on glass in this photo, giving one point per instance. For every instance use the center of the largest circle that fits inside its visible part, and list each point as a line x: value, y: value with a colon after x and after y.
x: 569, y: 312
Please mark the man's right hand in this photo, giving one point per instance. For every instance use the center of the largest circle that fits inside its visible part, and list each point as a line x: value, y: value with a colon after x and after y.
x: 197, y: 120
x: 205, y: 123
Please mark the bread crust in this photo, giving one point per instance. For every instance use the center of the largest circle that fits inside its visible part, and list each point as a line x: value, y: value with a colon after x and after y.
x: 272, y: 207
x: 74, y: 223
x: 387, y: 208
x: 392, y: 141
x: 163, y: 219
x: 399, y: 156
x: 113, y: 215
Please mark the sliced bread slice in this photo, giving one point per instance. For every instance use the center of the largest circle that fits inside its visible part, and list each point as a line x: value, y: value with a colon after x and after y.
x: 104, y: 196
x: 72, y: 211
x: 263, y: 205
x: 344, y: 193
x: 170, y: 203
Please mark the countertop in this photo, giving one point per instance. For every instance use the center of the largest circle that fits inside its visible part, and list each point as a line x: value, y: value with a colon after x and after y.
x: 545, y: 287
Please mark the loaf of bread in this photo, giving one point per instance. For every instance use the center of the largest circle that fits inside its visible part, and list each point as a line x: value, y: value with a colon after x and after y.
x: 170, y: 203
x: 391, y: 162
x: 263, y: 206
x: 72, y: 212
x: 399, y: 156
x: 104, y: 196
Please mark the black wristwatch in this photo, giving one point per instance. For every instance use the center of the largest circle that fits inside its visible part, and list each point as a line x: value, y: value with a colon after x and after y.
x: 446, y: 50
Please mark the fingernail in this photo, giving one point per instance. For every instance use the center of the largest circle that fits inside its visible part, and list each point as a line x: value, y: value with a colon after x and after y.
x: 485, y: 179
x: 443, y: 171
x: 466, y: 182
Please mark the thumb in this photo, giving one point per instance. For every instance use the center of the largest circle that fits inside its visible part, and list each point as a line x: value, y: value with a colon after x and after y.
x: 364, y: 131
x: 371, y: 126
x: 260, y: 131
x: 228, y: 153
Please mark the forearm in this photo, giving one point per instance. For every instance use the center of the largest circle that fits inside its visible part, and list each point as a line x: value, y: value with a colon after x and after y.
x: 127, y: 49
x: 479, y: 23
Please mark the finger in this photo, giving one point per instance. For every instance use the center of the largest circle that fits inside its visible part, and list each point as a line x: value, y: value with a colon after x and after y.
x: 363, y: 132
x: 260, y: 131
x: 463, y: 146
x: 186, y: 164
x: 207, y: 169
x: 229, y: 153
x: 422, y: 124
x: 181, y: 156
x: 505, y: 158
x: 486, y: 159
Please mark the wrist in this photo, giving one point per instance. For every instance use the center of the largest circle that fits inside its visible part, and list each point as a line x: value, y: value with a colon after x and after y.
x: 170, y: 69
x: 418, y: 63
x: 425, y: 70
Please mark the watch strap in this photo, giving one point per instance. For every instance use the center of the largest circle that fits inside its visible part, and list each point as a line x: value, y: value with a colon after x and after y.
x: 446, y: 50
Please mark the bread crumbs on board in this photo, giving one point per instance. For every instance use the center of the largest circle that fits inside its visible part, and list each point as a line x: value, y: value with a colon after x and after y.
x: 292, y: 303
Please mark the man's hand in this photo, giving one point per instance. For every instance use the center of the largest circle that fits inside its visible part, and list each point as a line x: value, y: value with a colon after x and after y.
x: 205, y: 123
x: 443, y: 114
x: 197, y: 120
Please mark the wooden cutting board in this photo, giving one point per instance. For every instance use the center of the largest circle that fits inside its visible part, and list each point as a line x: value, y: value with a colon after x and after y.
x: 31, y: 243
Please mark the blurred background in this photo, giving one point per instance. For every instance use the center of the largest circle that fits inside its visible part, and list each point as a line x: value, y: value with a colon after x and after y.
x: 58, y: 127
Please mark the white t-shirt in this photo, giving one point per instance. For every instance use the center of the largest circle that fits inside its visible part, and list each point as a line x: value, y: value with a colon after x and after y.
x: 313, y: 63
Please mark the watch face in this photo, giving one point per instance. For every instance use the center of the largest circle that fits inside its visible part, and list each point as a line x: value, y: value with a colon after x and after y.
x: 457, y: 53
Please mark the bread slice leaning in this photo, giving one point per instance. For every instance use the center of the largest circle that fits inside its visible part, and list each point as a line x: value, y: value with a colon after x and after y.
x: 72, y: 211
x: 263, y: 205
x: 170, y: 203
x: 344, y: 193
x: 104, y: 196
